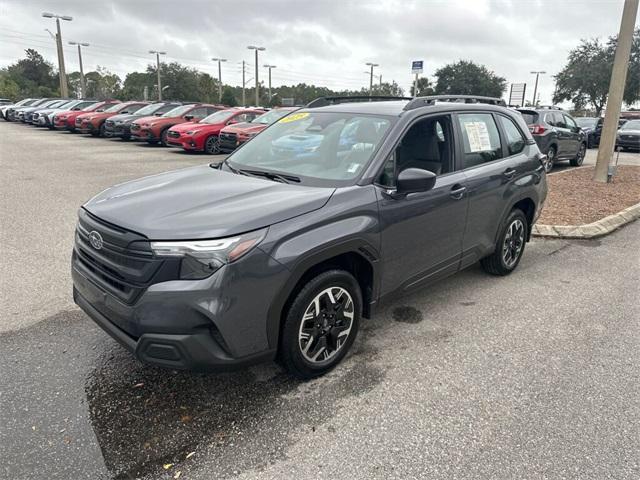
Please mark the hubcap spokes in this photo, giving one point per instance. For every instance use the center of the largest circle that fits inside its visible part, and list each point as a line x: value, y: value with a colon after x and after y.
x: 326, y: 325
x: 513, y: 243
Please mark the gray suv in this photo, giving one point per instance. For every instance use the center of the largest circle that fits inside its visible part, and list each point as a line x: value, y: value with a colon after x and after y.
x: 557, y: 134
x: 282, y: 249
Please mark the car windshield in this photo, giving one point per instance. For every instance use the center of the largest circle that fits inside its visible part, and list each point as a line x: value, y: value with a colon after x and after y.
x: 116, y: 108
x: 270, y: 117
x: 70, y: 103
x: 586, y: 122
x: 529, y: 117
x: 219, y: 117
x: 150, y: 109
x: 631, y: 125
x: 178, y: 111
x: 90, y: 108
x: 320, y: 148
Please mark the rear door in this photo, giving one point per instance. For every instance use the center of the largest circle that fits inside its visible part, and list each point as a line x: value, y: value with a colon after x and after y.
x: 573, y: 133
x: 564, y: 135
x: 489, y: 171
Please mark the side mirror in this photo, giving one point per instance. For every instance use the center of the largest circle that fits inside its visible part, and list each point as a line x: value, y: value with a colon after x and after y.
x: 188, y: 118
x: 75, y: 109
x: 100, y: 110
x: 414, y: 180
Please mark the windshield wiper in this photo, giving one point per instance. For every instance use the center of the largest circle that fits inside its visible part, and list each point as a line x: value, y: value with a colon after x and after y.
x: 276, y: 177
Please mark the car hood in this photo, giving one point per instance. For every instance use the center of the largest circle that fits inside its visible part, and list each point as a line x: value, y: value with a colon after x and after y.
x: 629, y: 132
x: 203, y: 202
x: 125, y: 118
x: 187, y: 126
x: 245, y: 127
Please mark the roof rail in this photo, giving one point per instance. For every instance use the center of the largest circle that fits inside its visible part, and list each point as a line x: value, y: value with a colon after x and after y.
x: 324, y: 101
x: 547, y: 107
x: 432, y: 99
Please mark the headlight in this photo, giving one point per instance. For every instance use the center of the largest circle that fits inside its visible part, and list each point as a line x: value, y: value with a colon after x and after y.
x: 192, y: 132
x: 200, y: 258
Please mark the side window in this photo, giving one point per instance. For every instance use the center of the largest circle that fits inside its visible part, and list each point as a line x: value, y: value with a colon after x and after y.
x: 550, y: 119
x: 515, y: 140
x: 135, y: 108
x: 198, y: 113
x: 211, y: 110
x: 560, y: 123
x: 480, y: 138
x: 428, y: 145
x: 571, y: 123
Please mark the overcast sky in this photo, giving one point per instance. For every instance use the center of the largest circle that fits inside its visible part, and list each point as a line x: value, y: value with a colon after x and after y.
x: 324, y: 42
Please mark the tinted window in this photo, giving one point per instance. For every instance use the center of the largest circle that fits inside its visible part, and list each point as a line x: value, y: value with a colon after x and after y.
x: 515, y: 139
x: 559, y: 120
x: 198, y: 113
x: 480, y: 138
x: 530, y: 118
x: 569, y: 122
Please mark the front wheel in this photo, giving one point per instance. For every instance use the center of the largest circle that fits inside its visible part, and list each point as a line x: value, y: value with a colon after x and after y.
x: 163, y: 137
x: 551, y: 157
x: 510, y: 245
x: 582, y: 151
x: 212, y: 145
x: 321, y: 324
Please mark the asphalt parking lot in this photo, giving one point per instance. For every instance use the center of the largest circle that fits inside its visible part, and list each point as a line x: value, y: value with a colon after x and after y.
x: 536, y: 375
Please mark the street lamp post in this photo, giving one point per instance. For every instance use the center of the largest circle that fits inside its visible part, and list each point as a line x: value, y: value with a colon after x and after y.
x: 535, y: 88
x: 157, y: 54
x: 64, y: 91
x: 377, y: 77
x: 269, y: 67
x: 257, y: 49
x: 371, y: 76
x: 83, y: 85
x: 219, y: 60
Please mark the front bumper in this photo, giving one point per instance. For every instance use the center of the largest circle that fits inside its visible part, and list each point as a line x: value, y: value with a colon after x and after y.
x: 184, y: 141
x: 145, y: 135
x: 633, y: 142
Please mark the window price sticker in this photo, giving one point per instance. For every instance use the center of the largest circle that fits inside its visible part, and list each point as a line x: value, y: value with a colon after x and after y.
x: 478, y: 135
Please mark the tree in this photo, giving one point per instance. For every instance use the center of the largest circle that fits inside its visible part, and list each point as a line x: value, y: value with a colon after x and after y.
x: 102, y: 84
x: 33, y: 75
x: 424, y: 88
x: 387, y: 89
x: 8, y: 88
x: 228, y: 98
x: 585, y: 78
x: 469, y: 78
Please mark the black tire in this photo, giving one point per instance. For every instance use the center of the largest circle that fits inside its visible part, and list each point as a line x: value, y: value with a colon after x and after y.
x: 163, y: 137
x: 551, y: 158
x: 330, y: 327
x: 496, y: 263
x: 212, y: 145
x: 582, y: 151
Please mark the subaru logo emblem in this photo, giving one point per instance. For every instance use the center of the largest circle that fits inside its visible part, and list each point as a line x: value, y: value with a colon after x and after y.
x: 95, y: 239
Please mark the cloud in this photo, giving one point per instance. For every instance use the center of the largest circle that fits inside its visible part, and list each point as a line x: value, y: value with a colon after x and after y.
x: 322, y: 41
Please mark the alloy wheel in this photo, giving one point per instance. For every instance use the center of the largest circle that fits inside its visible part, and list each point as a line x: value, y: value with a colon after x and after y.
x: 550, y: 158
x: 326, y: 325
x: 213, y: 145
x: 581, y: 154
x: 513, y: 243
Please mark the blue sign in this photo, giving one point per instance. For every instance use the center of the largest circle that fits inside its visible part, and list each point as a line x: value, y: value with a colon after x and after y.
x: 416, y: 66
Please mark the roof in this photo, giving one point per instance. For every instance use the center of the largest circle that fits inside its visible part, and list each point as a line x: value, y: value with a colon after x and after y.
x: 397, y: 108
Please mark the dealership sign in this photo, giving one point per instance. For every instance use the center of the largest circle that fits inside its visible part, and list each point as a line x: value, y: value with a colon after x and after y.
x: 416, y: 66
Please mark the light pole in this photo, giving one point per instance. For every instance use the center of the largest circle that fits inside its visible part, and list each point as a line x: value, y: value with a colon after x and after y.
x: 83, y: 86
x: 64, y: 91
x: 157, y: 54
x: 257, y: 49
x: 219, y: 60
x: 371, y: 76
x: 269, y: 67
x: 535, y: 88
x: 378, y: 77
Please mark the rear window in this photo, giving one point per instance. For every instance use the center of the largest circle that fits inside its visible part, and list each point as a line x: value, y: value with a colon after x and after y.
x: 529, y: 117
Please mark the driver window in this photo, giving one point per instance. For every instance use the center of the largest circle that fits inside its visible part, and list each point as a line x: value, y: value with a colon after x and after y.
x: 428, y: 145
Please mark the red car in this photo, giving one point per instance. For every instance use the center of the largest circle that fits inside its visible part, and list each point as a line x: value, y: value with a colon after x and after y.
x: 233, y: 136
x: 203, y: 136
x: 93, y: 122
x: 67, y: 120
x: 154, y: 129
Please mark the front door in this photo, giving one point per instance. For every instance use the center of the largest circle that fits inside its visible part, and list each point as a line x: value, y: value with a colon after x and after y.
x: 422, y: 233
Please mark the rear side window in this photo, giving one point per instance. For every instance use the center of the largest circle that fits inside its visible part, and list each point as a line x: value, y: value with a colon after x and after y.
x: 480, y: 138
x: 570, y: 122
x: 515, y: 139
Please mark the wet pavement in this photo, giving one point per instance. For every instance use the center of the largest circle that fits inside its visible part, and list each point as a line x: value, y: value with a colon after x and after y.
x: 536, y: 375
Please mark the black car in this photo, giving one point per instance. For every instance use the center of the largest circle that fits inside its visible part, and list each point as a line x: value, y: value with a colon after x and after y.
x: 272, y: 254
x: 592, y: 128
x: 628, y: 136
x: 557, y: 134
x: 120, y: 125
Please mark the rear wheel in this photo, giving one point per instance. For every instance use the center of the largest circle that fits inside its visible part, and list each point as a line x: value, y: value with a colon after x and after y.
x: 212, y: 145
x: 510, y: 245
x: 551, y: 157
x: 163, y: 137
x: 582, y: 151
x: 321, y: 324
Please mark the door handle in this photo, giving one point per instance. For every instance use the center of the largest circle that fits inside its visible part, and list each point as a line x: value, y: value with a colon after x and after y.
x: 457, y: 191
x: 509, y: 172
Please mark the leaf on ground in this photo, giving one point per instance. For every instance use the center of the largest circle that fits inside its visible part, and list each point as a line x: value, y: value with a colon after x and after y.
x: 139, y: 385
x: 189, y: 455
x: 177, y: 475
x: 167, y: 466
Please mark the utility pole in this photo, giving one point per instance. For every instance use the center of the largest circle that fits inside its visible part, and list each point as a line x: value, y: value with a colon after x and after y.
x: 371, y: 76
x: 415, y: 86
x: 157, y: 54
x: 269, y: 67
x: 64, y: 91
x: 244, y: 103
x: 616, y: 90
x: 219, y: 60
x: 257, y: 49
x: 535, y: 88
x: 83, y: 85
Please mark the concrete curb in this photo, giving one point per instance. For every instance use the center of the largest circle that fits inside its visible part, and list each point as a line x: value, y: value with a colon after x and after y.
x: 590, y: 230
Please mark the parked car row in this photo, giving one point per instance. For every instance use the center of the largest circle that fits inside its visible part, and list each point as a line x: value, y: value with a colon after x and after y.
x: 200, y: 127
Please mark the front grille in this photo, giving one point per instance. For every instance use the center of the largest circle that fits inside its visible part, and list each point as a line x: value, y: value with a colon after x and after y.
x: 35, y: 116
x: 109, y: 123
x: 78, y: 122
x: 124, y: 266
x: 135, y: 127
x: 173, y: 134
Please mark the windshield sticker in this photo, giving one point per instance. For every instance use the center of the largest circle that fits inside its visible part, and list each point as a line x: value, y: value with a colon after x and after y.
x: 294, y: 117
x: 478, y: 135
